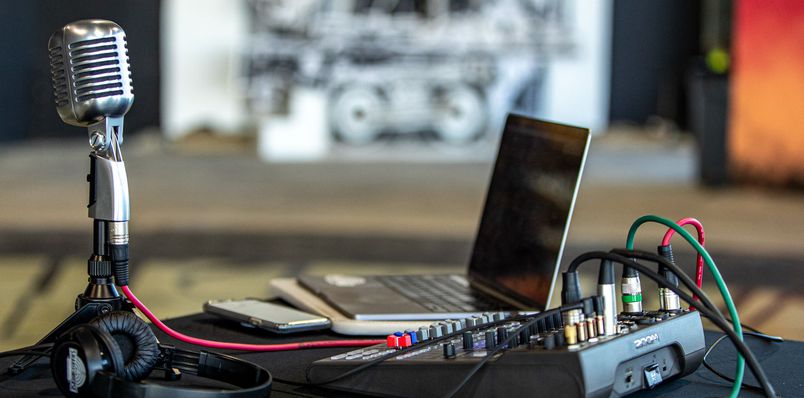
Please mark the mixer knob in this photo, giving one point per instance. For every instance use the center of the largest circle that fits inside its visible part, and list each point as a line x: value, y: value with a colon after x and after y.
x: 456, y: 325
x: 435, y: 331
x: 523, y: 336
x: 414, y: 338
x: 424, y: 333
x: 541, y: 326
x: 560, y: 339
x: 448, y: 325
x: 468, y: 341
x: 449, y: 350
x: 502, y: 334
x: 550, y: 341
x: 491, y: 340
x: 405, y: 341
x: 557, y: 322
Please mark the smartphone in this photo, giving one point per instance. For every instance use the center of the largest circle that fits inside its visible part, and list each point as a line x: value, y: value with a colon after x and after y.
x: 268, y: 316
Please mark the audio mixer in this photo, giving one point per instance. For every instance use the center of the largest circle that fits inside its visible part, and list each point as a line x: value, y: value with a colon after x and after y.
x: 543, y: 358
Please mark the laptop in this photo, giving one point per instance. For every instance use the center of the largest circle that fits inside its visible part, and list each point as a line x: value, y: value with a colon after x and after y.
x: 517, y: 248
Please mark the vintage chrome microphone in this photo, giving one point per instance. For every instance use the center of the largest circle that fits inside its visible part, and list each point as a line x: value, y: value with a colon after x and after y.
x: 91, y: 76
x: 92, y: 87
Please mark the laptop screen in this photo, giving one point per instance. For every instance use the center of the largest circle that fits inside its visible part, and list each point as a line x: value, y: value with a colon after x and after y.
x: 528, y: 209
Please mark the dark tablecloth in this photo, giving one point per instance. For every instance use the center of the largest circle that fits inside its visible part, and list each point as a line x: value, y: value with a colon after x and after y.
x: 783, y: 362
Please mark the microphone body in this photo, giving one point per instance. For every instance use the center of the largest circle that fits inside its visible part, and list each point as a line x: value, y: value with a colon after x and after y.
x: 93, y: 89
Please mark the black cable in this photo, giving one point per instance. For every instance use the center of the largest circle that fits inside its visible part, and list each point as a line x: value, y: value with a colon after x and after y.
x: 720, y: 322
x: 644, y: 255
x: 37, y: 350
x: 757, y: 333
x: 764, y: 336
x: 36, y: 347
x: 430, y: 342
x: 683, y: 277
x: 750, y: 359
x: 24, y: 352
x: 513, y: 335
x: 751, y: 328
x: 717, y: 373
x: 688, y: 282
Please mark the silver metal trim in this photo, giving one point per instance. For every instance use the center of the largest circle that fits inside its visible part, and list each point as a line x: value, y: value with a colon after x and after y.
x: 631, y: 285
x: 106, y: 136
x: 569, y: 219
x: 118, y: 232
x: 111, y: 190
x: 571, y: 317
x: 668, y: 300
x: 609, y: 293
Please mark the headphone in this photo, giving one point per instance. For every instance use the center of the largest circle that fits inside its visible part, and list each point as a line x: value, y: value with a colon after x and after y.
x: 110, y: 355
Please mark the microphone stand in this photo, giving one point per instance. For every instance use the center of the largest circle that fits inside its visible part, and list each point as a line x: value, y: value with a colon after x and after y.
x: 109, y: 209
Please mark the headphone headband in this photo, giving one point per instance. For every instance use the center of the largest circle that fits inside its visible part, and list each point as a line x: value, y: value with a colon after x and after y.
x: 253, y: 379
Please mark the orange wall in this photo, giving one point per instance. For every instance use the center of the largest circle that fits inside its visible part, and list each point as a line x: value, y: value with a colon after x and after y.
x: 766, y: 134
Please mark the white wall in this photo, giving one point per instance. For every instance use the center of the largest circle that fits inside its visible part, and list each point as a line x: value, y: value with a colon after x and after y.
x: 202, y: 42
x: 577, y: 87
x: 201, y: 50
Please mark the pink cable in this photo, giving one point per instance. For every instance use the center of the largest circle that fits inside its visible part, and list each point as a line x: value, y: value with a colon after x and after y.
x: 700, y: 264
x: 238, y: 346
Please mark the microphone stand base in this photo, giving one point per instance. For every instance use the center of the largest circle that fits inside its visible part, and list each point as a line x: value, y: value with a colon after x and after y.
x: 87, y: 308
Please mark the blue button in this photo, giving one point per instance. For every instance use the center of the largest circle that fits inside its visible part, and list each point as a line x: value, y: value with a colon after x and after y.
x: 398, y: 334
x: 413, y: 338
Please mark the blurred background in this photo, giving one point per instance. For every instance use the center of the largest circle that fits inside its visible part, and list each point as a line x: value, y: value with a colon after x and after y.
x: 270, y: 138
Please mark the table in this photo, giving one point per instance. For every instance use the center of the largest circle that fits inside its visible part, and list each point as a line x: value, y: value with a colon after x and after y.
x: 783, y: 362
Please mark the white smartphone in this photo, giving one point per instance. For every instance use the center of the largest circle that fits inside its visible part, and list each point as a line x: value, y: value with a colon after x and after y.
x: 268, y: 316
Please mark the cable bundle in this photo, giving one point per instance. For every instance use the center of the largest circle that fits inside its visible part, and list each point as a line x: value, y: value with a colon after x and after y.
x: 703, y: 256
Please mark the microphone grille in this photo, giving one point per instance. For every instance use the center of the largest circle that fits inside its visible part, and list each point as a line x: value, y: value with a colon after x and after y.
x: 99, y: 68
x: 59, y: 75
x: 89, y: 65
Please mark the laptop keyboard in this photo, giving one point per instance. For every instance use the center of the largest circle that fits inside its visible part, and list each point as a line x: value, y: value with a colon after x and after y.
x: 438, y: 293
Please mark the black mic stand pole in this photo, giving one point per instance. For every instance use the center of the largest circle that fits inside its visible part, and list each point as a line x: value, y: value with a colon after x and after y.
x: 108, y: 198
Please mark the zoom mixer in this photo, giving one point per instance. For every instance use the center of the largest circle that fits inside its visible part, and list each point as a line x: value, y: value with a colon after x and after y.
x: 566, y: 352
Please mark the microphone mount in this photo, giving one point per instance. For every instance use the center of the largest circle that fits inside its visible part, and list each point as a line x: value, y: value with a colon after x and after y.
x: 103, y: 133
x: 108, y: 192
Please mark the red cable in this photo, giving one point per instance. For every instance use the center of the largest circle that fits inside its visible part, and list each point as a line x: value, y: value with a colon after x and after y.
x: 238, y: 346
x: 700, y: 265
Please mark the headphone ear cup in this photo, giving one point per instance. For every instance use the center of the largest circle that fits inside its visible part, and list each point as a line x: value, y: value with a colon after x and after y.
x: 136, y: 341
x: 79, y: 354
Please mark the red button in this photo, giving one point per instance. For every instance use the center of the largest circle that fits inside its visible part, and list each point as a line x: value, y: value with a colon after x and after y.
x: 394, y: 341
x: 405, y: 341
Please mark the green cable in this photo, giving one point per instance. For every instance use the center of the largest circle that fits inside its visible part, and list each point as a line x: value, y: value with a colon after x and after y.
x: 724, y: 291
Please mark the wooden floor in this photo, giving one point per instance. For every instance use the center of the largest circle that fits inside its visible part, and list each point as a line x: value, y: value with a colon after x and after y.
x: 221, y: 225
